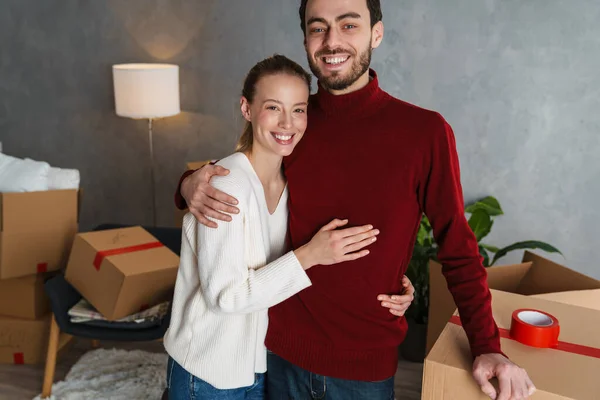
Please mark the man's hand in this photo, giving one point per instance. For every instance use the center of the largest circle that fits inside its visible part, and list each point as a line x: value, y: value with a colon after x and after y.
x: 513, y: 381
x: 203, y: 200
x: 398, y: 304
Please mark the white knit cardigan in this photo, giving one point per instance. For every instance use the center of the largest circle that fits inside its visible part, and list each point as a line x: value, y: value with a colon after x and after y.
x: 227, y: 279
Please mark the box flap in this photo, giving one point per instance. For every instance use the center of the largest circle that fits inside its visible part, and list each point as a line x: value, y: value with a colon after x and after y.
x: 546, y: 367
x: 580, y: 298
x: 507, y: 277
x: 30, y: 211
x: 546, y: 276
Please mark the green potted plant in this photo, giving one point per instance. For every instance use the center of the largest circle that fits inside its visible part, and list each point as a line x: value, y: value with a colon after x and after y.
x: 481, y: 216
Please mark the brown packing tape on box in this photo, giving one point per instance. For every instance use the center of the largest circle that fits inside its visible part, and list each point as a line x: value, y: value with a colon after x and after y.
x: 536, y: 275
x: 569, y: 371
x: 121, y: 271
x: 24, y: 297
x: 36, y: 231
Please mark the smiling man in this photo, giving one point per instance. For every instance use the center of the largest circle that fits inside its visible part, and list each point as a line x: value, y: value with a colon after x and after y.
x: 371, y: 158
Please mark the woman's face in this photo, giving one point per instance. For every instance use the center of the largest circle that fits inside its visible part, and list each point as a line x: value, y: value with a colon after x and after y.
x: 277, y: 113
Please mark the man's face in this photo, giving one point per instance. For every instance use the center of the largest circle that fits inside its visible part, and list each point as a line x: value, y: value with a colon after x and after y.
x: 339, y: 41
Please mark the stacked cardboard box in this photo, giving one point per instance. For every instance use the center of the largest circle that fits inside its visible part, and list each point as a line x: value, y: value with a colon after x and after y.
x: 36, y: 233
x: 567, y: 371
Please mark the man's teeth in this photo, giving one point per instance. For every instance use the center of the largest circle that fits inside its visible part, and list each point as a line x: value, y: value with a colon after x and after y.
x: 283, y: 137
x: 335, y: 60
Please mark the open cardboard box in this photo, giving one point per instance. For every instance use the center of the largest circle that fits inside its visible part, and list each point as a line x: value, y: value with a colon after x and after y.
x: 122, y: 271
x: 536, y: 275
x: 569, y: 371
x: 36, y: 231
x: 179, y: 214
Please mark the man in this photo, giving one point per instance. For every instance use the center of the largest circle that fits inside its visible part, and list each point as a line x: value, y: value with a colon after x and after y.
x: 370, y: 158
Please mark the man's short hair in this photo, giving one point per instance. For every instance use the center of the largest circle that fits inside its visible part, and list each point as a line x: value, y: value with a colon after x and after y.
x: 374, y: 7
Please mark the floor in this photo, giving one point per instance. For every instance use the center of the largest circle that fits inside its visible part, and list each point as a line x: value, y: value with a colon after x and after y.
x: 24, y: 382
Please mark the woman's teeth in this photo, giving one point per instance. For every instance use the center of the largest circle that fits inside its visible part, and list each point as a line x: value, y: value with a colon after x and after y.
x: 283, y: 137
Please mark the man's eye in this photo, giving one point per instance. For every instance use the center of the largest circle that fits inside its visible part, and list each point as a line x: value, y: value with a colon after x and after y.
x: 318, y: 30
x: 274, y: 108
x: 350, y: 26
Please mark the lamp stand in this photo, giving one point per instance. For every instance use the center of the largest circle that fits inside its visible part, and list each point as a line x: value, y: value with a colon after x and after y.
x: 152, y: 172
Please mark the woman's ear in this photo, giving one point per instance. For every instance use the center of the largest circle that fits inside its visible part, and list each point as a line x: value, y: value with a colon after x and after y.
x: 245, y: 107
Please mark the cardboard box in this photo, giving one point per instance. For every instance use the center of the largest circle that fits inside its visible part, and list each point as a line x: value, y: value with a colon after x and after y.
x: 179, y: 214
x: 24, y: 297
x: 536, y: 275
x: 36, y: 231
x: 121, y: 271
x: 23, y: 341
x: 558, y: 373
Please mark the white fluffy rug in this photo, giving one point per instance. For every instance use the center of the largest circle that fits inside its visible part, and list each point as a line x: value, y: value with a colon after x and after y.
x: 114, y: 374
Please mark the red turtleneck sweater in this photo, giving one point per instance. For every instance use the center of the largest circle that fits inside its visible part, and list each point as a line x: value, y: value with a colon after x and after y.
x: 374, y: 159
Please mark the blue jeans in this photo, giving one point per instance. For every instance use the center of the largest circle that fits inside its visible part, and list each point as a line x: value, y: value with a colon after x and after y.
x: 285, y: 381
x: 184, y: 386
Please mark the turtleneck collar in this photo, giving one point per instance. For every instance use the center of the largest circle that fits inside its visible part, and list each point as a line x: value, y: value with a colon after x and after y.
x: 354, y: 103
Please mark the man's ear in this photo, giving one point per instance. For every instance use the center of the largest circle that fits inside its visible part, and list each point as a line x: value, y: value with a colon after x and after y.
x: 376, y: 35
x: 245, y: 107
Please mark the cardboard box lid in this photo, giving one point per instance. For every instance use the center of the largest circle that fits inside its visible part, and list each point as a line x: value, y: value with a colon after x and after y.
x: 553, y: 371
x: 124, y: 242
x: 34, y: 211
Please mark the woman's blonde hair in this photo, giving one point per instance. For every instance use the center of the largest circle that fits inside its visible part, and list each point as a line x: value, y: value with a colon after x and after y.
x: 276, y: 64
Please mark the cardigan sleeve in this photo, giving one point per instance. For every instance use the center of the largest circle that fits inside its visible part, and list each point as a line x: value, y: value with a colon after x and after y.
x: 228, y: 285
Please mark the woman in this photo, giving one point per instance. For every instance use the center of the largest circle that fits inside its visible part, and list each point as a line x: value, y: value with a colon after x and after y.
x: 228, y: 277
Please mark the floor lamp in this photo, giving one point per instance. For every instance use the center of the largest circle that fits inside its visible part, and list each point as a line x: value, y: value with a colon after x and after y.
x: 147, y: 91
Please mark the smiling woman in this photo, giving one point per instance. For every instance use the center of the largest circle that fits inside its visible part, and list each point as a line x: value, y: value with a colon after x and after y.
x: 229, y: 277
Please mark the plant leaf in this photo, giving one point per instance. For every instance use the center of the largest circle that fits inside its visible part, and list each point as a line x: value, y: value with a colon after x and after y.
x: 425, y: 223
x: 525, y: 245
x: 481, y: 224
x: 489, y: 204
x: 489, y: 248
x: 484, y: 254
x: 421, y: 235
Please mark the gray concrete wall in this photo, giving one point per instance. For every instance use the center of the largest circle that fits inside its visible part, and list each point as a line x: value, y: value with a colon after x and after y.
x: 518, y: 81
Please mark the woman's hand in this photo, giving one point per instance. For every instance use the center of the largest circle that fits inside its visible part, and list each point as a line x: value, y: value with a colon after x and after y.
x: 331, y: 246
x: 398, y: 304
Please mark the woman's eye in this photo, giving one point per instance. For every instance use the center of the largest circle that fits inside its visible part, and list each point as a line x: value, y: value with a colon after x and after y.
x: 274, y: 108
x: 299, y: 110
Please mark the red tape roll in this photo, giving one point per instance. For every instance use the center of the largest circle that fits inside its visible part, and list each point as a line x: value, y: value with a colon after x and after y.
x: 534, y: 328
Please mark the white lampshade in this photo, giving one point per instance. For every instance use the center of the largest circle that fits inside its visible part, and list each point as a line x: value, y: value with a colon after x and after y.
x: 146, y: 90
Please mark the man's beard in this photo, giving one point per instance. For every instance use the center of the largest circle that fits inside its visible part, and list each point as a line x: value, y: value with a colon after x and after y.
x: 336, y: 81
